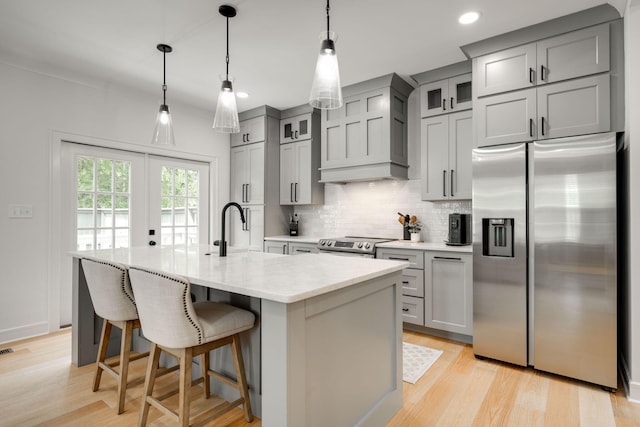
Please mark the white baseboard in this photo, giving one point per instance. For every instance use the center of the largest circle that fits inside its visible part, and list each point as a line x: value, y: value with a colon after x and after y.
x: 632, y: 388
x: 8, y: 335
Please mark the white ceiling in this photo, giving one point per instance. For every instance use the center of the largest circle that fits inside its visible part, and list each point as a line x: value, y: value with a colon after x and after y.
x: 273, y: 43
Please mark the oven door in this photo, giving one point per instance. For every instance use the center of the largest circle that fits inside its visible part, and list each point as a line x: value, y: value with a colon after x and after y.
x: 351, y: 254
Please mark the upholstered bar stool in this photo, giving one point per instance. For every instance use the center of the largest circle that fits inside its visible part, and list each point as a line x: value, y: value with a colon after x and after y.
x: 112, y: 297
x: 185, y: 330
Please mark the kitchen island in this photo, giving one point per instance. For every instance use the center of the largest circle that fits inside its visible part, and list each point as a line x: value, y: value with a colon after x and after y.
x: 327, y: 346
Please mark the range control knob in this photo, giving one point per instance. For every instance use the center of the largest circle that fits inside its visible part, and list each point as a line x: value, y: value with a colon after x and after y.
x: 360, y: 244
x: 367, y: 245
x: 330, y: 243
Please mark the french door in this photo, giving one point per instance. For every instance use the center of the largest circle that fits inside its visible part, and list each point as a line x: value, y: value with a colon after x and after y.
x: 115, y: 198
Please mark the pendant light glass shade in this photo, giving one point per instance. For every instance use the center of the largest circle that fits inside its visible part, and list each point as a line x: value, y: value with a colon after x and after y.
x: 163, y: 132
x: 326, y: 92
x: 226, y: 118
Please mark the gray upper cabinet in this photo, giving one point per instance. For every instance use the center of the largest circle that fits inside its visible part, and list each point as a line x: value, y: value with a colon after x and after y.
x: 575, y: 54
x: 251, y: 130
x: 446, y: 144
x: 579, y: 53
x: 573, y: 107
x: 296, y: 128
x: 366, y: 138
x: 300, y: 157
x: 505, y: 118
x: 247, y: 173
x: 504, y: 71
x: 445, y: 96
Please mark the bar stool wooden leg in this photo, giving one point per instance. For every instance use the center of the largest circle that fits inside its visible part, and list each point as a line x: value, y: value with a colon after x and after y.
x: 152, y: 369
x: 125, y: 352
x: 186, y: 358
x: 102, y: 352
x: 206, y: 381
x: 236, y: 350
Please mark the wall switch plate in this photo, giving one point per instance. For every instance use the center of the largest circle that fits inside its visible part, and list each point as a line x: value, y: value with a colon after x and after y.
x: 20, y: 211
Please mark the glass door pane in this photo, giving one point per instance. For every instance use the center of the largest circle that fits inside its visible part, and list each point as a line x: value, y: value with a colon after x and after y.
x: 178, y: 201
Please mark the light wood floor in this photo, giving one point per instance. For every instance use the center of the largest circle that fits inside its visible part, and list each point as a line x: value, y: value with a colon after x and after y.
x: 39, y: 386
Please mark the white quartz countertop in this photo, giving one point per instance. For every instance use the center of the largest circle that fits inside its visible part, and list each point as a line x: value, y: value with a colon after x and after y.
x: 281, y: 278
x: 287, y: 238
x: 424, y: 246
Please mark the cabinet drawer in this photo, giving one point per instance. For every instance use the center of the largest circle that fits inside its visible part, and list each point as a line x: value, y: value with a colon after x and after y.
x: 413, y: 310
x: 415, y: 258
x: 302, y: 248
x: 413, y: 282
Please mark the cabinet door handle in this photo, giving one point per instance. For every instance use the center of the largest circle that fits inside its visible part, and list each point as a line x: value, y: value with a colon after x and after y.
x: 542, y: 126
x: 444, y: 104
x: 248, y: 137
x: 405, y: 309
x: 405, y: 282
x: 295, y: 192
x: 291, y: 192
x: 398, y: 258
x: 451, y: 183
x: 246, y: 219
x: 531, y: 128
x: 451, y: 103
x: 284, y: 249
x: 296, y: 134
x: 306, y: 251
x: 542, y: 72
x: 447, y: 258
x: 247, y: 193
x: 444, y: 183
x: 531, y: 75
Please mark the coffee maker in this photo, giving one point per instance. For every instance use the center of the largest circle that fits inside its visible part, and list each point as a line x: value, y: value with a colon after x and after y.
x: 459, y: 229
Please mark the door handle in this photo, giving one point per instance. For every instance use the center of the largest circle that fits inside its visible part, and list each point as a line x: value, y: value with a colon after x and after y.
x: 296, y: 132
x: 451, y: 103
x: 444, y: 104
x: 451, y: 183
x: 444, y: 183
x: 531, y: 128
x: 542, y: 126
x: 152, y: 243
x: 447, y: 258
x: 295, y: 192
x: 248, y: 134
x: 247, y: 196
x: 284, y: 249
x: 291, y: 192
x: 531, y: 75
x: 542, y: 72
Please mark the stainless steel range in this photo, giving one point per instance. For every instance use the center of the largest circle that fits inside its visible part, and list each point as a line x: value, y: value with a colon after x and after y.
x: 350, y: 246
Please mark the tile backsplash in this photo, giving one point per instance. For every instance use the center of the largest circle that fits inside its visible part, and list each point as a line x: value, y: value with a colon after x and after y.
x: 371, y: 209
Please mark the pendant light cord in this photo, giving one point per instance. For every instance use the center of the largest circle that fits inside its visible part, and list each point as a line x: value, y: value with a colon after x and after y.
x: 227, y: 57
x: 328, y: 32
x: 164, y: 77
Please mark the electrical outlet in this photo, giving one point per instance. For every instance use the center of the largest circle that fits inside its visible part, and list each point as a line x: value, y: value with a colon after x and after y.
x: 20, y: 211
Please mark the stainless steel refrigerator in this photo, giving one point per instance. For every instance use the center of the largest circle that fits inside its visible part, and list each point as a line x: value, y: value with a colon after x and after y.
x: 544, y: 256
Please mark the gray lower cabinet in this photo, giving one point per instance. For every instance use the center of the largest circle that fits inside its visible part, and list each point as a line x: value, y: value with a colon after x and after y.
x: 412, y: 282
x: 276, y: 247
x: 285, y: 247
x: 299, y: 248
x: 448, y: 291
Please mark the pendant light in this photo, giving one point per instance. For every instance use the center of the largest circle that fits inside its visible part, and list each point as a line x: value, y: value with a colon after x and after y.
x: 326, y: 92
x: 163, y: 132
x: 226, y: 118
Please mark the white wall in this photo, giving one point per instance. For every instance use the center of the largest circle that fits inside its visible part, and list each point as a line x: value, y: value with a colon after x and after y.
x: 631, y: 352
x: 34, y: 105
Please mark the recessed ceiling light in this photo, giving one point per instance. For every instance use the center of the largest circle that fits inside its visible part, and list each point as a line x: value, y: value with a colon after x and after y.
x: 242, y: 95
x: 468, y: 18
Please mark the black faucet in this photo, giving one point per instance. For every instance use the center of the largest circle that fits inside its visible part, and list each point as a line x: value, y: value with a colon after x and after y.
x: 223, y: 244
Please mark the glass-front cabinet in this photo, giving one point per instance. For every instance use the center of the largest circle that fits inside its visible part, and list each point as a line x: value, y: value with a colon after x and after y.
x: 445, y: 96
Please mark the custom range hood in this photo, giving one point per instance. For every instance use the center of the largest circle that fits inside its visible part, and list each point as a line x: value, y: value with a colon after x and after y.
x: 366, y: 138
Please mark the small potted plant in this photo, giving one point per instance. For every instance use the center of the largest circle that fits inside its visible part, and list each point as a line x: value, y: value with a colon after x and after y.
x: 414, y: 228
